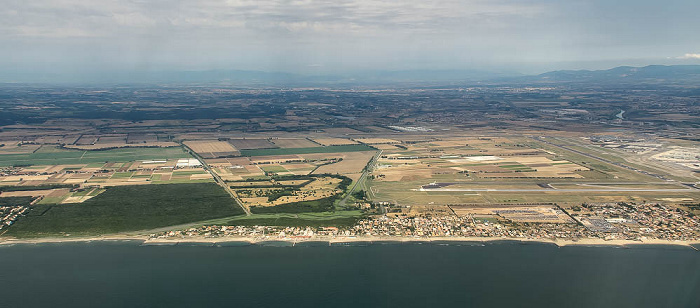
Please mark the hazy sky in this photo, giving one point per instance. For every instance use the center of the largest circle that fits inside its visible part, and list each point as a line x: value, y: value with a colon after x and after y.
x: 313, y: 36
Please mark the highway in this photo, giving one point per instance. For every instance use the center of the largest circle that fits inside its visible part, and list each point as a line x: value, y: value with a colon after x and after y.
x: 218, y: 180
x: 370, y: 164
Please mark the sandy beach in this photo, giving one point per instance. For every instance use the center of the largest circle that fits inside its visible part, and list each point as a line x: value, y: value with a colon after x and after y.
x: 146, y: 240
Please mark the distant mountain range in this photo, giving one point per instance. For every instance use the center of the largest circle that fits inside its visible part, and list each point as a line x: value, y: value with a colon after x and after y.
x: 623, y: 74
x: 363, y: 77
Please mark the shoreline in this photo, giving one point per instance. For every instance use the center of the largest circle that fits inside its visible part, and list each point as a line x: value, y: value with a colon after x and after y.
x: 145, y: 240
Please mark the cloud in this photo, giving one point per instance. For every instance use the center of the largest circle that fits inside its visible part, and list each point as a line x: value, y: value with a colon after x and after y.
x: 689, y: 56
x: 340, y: 34
x: 110, y: 18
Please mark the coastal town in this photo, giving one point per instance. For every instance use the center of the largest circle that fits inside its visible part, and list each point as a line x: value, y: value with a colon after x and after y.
x: 605, y: 221
x: 9, y: 214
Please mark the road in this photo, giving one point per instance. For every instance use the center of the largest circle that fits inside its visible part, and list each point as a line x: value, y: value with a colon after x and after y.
x: 362, y: 178
x: 218, y: 180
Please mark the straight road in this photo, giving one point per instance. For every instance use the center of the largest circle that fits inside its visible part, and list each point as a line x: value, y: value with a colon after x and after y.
x: 370, y: 165
x: 218, y: 180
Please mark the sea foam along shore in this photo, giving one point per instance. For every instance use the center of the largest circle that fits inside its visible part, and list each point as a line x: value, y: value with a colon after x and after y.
x: 347, y: 239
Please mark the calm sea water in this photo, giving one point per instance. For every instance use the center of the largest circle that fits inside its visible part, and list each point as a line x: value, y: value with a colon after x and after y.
x: 105, y: 274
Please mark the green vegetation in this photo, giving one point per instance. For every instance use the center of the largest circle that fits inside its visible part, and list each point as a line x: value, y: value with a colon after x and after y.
x: 88, y: 192
x: 82, y: 192
x: 96, y: 191
x: 325, y: 219
x: 319, y: 205
x: 53, y: 200
x: 517, y: 167
x: 122, y: 175
x: 15, y: 201
x: 291, y: 151
x: 183, y: 181
x: 295, y: 222
x: 287, y: 191
x: 189, y: 172
x: 129, y: 208
x: 36, y: 187
x: 47, y: 155
x: 273, y: 168
x: 360, y: 195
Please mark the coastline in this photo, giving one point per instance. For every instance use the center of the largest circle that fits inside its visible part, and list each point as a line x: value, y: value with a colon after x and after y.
x: 146, y: 240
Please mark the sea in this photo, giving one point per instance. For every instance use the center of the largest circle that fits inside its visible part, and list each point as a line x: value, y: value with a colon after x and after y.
x: 361, y: 274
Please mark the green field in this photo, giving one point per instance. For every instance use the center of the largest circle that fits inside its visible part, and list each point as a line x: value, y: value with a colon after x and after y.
x: 182, y: 181
x: 291, y: 151
x: 324, y: 219
x: 36, y: 187
x: 189, y: 172
x: 48, y: 155
x: 128, y: 208
x: 53, y: 200
x: 273, y: 168
x: 122, y: 175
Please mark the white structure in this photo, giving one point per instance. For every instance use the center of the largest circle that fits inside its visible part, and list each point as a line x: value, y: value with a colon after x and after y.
x: 188, y: 162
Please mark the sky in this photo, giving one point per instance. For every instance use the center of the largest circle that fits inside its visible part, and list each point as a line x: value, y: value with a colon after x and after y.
x: 325, y: 37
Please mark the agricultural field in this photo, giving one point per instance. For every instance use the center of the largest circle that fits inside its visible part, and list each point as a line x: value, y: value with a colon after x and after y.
x: 136, y: 138
x: 301, y: 168
x: 103, y: 142
x: 91, y: 185
x: 277, y: 169
x: 350, y: 164
x: 274, y: 192
x: 28, y: 193
x: 295, y: 151
x: 235, y: 169
x: 17, y: 147
x: 251, y: 144
x: 291, y: 194
x: 128, y: 208
x: 241, y: 168
x: 87, y: 139
x: 333, y: 141
x: 376, y: 140
x: 51, y: 155
x: 106, y: 174
x: 212, y: 148
x: 294, y: 143
x: 341, y: 130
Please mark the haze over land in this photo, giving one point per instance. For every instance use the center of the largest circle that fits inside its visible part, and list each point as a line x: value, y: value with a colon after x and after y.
x: 109, y: 40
